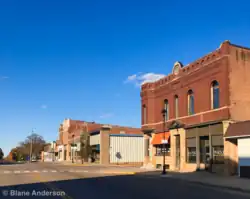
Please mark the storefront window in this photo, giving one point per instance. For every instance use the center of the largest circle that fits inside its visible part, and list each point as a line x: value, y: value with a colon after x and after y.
x: 191, y: 150
x: 218, y: 154
x: 160, y: 150
x: 217, y: 149
x: 191, y: 155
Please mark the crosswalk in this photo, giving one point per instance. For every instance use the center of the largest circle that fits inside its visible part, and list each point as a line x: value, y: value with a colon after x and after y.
x: 42, y: 171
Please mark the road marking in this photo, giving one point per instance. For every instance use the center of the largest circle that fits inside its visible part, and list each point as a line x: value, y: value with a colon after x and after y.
x: 118, y: 172
x: 35, y: 171
x: 17, y: 171
x: 85, y: 171
x: 45, y: 171
x: 53, y: 171
x: 26, y: 171
x: 78, y: 171
x: 7, y: 172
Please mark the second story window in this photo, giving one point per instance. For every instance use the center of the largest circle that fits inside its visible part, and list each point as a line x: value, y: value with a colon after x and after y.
x: 190, y: 102
x: 144, y: 112
x: 166, y: 107
x: 176, y: 106
x: 215, y: 98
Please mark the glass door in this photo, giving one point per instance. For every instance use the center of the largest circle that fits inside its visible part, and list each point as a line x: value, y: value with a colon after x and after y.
x: 204, y: 149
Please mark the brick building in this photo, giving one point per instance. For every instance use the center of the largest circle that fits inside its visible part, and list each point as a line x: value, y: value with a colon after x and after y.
x: 201, y: 99
x: 70, y: 131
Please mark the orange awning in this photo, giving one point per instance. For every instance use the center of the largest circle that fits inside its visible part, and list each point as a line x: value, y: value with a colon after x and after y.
x: 159, y: 137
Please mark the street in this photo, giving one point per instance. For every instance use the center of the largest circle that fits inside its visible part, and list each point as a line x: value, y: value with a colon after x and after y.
x: 70, y: 181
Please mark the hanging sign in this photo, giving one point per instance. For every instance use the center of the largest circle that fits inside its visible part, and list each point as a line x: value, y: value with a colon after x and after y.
x: 164, y: 141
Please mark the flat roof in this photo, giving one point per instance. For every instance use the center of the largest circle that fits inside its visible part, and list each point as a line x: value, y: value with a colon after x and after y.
x: 126, y: 135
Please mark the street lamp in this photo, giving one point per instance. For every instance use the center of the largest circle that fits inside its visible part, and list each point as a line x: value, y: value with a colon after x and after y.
x: 163, y: 112
x: 73, y: 145
x: 31, y: 143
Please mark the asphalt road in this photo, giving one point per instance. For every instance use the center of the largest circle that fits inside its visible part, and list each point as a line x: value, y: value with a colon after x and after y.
x: 71, y: 182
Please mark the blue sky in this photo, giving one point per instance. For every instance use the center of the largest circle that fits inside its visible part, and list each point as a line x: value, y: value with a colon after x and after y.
x: 71, y: 59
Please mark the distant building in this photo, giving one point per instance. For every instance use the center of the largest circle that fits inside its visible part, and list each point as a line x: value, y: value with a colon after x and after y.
x: 69, y: 138
x: 201, y: 99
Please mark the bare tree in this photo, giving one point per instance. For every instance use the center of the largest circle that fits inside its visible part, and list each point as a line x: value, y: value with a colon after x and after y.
x: 22, y: 152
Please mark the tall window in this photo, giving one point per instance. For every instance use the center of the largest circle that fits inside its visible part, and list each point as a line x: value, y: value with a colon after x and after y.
x: 215, y: 98
x: 190, y: 102
x: 166, y: 107
x: 191, y: 150
x: 144, y: 112
x: 176, y: 106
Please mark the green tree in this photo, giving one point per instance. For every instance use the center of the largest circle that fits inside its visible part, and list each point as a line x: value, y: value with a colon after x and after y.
x: 85, y: 149
x: 17, y: 154
x: 1, y: 154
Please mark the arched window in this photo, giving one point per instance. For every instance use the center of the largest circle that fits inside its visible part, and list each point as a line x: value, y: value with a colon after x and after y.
x: 176, y: 106
x: 190, y: 102
x: 215, y: 95
x: 166, y: 107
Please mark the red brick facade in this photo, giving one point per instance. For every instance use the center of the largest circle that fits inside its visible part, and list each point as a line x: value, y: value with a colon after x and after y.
x: 227, y: 65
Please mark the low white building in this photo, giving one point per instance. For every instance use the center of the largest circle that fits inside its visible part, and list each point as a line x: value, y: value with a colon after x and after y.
x: 239, y: 136
x: 117, y: 148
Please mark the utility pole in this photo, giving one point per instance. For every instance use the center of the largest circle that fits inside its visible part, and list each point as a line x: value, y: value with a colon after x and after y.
x: 164, y: 142
x: 31, y: 145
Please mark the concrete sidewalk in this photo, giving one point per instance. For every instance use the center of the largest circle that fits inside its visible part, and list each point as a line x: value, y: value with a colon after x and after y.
x: 208, y: 179
x: 109, y: 169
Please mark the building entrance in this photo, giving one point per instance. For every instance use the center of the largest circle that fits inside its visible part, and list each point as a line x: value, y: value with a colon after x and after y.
x: 204, y: 149
x: 178, y: 152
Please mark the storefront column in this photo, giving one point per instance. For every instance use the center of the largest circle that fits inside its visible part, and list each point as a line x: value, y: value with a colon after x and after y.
x: 146, y: 149
x: 198, y: 161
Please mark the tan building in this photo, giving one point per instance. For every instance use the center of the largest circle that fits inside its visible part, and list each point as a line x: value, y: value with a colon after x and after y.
x: 200, y: 100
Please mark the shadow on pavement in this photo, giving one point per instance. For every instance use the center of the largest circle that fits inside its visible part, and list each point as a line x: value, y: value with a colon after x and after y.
x: 113, y: 187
